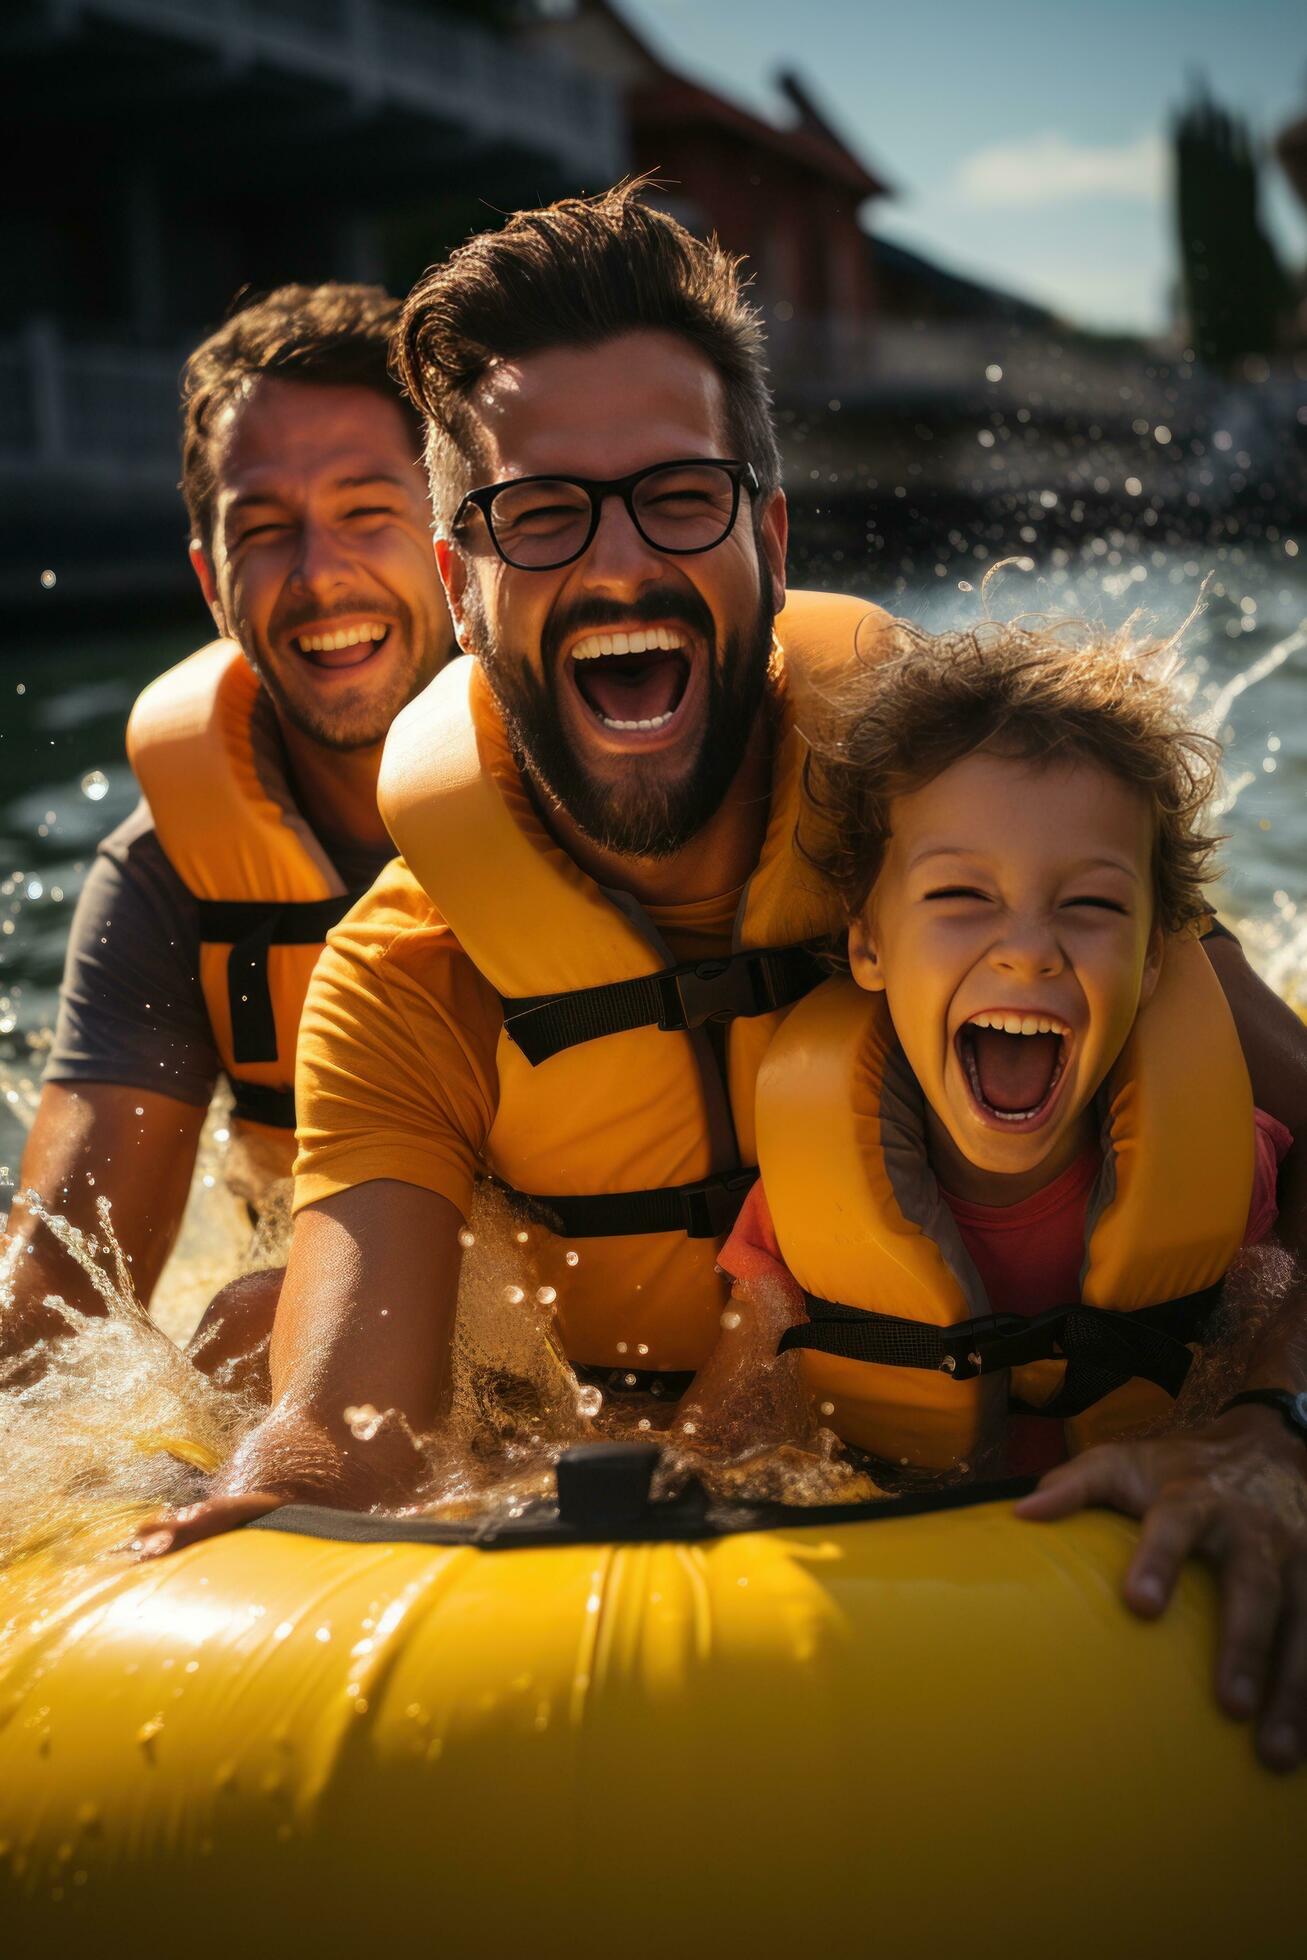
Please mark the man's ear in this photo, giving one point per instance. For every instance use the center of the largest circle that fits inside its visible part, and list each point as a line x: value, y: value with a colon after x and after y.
x: 202, y: 566
x: 452, y: 566
x: 864, y: 960
x: 1152, y: 963
x: 774, y: 537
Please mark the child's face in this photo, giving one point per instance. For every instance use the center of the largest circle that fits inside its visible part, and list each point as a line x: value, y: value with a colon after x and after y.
x: 1018, y: 895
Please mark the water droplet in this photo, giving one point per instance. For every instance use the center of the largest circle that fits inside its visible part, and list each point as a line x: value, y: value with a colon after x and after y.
x: 993, y: 372
x: 589, y: 1401
x: 363, y: 1421
x: 514, y: 1295
x: 467, y: 1239
x: 731, y: 1319
x: 828, y: 1408
x: 571, y: 1258
x: 95, y: 786
x: 521, y: 1237
x: 49, y: 580
x: 148, y: 1734
x: 546, y: 1295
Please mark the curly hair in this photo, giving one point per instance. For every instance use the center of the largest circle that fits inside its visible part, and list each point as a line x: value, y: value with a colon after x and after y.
x: 1034, y: 690
x: 574, y: 274
x: 331, y: 335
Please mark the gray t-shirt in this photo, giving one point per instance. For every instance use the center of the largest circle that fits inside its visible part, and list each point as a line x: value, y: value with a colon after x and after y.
x: 131, y: 1007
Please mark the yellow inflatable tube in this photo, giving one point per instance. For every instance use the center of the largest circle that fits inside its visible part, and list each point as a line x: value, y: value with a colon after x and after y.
x: 902, y: 1734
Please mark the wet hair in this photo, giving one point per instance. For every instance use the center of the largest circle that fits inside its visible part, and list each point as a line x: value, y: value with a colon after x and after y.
x: 575, y: 274
x: 1036, y: 691
x: 332, y: 336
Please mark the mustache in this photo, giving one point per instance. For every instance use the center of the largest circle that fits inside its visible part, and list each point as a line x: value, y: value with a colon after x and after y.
x: 660, y: 605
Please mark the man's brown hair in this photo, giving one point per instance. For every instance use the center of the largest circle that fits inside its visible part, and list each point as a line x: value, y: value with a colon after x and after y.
x: 574, y: 274
x: 1036, y: 691
x: 332, y: 335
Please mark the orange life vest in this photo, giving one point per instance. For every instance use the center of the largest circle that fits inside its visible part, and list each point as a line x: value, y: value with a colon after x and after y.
x: 862, y: 1227
x: 613, y: 1122
x: 203, y: 742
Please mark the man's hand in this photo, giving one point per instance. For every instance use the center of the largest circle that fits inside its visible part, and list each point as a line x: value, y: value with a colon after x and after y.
x: 1233, y: 1492
x: 171, y: 1531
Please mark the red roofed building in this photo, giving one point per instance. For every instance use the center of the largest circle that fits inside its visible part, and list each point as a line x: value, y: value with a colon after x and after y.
x: 787, y: 196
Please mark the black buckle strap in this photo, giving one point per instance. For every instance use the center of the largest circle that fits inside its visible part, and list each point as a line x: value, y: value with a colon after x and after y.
x: 706, y: 1209
x: 1102, y: 1349
x: 253, y: 1102
x: 674, y: 1001
x: 251, y: 927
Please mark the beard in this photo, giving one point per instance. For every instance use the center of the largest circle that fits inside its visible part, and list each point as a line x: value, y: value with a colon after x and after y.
x: 357, y: 717
x: 640, y: 815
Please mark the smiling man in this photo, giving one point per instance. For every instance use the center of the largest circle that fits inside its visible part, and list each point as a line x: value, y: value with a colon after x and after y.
x: 568, y: 979
x: 201, y: 918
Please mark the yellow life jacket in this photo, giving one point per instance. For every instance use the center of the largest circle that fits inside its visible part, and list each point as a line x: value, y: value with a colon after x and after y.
x: 613, y: 1122
x: 862, y: 1227
x: 202, y: 740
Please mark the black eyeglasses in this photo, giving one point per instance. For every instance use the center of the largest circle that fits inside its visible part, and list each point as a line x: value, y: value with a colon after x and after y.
x: 537, y: 523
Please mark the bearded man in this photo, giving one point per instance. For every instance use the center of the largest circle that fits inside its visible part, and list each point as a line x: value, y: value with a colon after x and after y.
x: 596, y: 821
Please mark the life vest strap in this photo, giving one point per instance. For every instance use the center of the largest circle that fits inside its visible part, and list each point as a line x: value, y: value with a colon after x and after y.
x: 251, y: 927
x: 1102, y: 1349
x: 706, y: 1209
x: 254, y: 1102
x: 675, y: 1000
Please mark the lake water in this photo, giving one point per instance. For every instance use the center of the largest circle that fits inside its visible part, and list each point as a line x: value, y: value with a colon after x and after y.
x: 65, y: 779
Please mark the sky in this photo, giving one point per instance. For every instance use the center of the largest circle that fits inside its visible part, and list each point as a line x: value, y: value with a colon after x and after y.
x: 1027, y: 141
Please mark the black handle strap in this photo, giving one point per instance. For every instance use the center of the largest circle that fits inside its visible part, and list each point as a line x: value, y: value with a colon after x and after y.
x: 1102, y: 1349
x: 253, y: 1102
x: 675, y: 1000
x: 251, y: 927
x: 706, y: 1209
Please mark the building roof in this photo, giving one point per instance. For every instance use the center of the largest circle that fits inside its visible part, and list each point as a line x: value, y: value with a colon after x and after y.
x: 662, y: 94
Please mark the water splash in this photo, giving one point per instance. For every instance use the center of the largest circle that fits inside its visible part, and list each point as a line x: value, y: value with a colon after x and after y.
x: 107, y: 1416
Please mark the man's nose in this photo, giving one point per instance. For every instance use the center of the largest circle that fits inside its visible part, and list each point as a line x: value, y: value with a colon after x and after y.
x: 320, y: 559
x: 1027, y: 949
x: 617, y: 553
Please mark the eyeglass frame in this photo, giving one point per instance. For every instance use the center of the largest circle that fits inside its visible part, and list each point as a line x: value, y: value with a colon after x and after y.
x: 599, y: 490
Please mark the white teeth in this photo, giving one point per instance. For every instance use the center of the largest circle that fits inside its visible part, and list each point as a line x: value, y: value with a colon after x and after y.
x: 658, y: 721
x: 348, y: 636
x: 599, y: 646
x: 1018, y: 1023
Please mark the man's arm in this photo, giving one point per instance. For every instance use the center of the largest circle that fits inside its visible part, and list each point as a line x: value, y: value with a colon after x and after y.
x: 1233, y: 1489
x: 362, y: 1332
x: 91, y: 1140
x: 129, y: 1078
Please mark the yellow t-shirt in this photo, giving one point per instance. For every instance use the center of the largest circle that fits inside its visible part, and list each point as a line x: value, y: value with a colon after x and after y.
x: 395, y: 1070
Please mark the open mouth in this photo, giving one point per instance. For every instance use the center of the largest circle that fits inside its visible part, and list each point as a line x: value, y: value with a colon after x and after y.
x: 632, y: 682
x: 348, y: 646
x: 1013, y: 1063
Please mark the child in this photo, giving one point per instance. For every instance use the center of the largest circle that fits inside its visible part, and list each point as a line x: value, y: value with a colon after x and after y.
x: 1012, y: 817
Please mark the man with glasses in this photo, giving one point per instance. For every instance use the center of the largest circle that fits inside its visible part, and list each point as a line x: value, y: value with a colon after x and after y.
x: 596, y: 820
